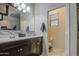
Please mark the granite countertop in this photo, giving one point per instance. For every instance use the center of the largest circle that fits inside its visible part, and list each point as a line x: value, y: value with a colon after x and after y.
x: 6, y: 37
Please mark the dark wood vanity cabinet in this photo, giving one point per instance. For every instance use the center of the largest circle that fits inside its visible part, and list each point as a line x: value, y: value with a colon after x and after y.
x: 25, y: 49
x: 37, y: 45
x: 21, y: 48
x: 10, y: 52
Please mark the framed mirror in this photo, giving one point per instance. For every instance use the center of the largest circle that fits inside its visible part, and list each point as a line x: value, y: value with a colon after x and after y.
x: 15, y: 19
x: 9, y: 17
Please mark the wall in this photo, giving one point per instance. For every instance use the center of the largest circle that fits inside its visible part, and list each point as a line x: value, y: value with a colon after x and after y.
x: 73, y: 29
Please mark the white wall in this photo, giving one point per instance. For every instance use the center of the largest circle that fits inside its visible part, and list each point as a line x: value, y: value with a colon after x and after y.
x: 73, y: 30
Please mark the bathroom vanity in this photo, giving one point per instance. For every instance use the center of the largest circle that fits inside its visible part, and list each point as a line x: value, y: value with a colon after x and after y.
x: 21, y: 46
x: 16, y: 32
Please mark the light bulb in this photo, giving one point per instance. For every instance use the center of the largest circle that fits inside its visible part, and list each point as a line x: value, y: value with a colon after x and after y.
x: 16, y: 4
x: 19, y: 8
x: 24, y: 10
x: 23, y: 5
x: 28, y: 8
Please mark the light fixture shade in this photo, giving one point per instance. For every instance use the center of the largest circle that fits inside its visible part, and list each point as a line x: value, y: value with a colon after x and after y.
x: 16, y: 4
x: 23, y: 5
x: 19, y: 8
x: 28, y: 9
x: 24, y: 10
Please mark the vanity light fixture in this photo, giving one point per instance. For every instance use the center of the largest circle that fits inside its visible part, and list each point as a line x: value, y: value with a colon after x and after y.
x: 19, y: 8
x: 28, y: 9
x: 16, y: 4
x: 22, y: 7
x: 24, y: 10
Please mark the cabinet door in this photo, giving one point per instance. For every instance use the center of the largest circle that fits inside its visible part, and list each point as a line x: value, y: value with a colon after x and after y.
x: 10, y: 52
x: 37, y: 45
x: 25, y: 49
x: 14, y: 52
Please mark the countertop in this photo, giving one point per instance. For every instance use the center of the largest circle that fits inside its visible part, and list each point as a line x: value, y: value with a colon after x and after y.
x: 10, y: 38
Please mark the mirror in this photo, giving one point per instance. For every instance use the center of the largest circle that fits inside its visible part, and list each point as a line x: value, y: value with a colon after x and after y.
x: 16, y: 19
x: 11, y: 19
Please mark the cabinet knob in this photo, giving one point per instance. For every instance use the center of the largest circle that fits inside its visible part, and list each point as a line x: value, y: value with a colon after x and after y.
x: 21, y: 49
x: 18, y: 50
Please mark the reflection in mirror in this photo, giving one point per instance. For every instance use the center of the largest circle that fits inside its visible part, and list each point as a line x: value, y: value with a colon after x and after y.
x: 17, y: 16
x: 10, y: 21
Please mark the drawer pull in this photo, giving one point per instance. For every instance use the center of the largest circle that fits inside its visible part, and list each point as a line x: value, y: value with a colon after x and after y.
x: 19, y: 50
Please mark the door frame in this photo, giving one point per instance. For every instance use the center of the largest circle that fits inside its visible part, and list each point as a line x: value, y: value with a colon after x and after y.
x: 66, y: 28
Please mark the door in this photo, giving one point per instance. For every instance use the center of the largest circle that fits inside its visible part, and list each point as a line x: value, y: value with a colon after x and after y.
x: 56, y: 31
